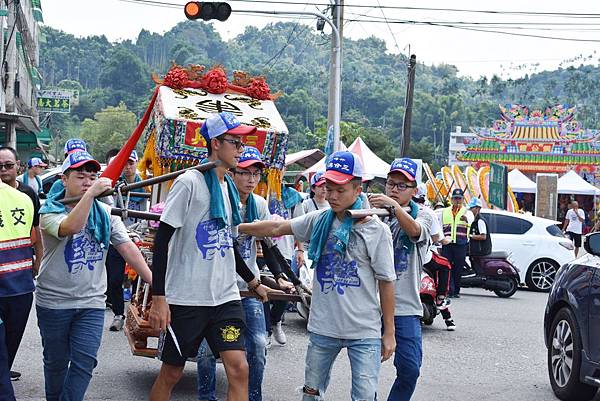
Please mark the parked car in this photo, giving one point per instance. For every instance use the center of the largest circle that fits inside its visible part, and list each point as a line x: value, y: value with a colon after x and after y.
x: 572, y: 326
x: 537, y: 246
x: 53, y: 174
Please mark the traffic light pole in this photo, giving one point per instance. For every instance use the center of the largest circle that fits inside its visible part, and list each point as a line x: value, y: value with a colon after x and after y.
x: 337, y: 62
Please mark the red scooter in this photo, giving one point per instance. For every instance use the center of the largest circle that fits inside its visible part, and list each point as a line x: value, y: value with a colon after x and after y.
x: 428, y: 293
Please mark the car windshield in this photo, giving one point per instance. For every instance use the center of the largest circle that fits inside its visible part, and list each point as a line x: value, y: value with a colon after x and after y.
x: 555, y: 231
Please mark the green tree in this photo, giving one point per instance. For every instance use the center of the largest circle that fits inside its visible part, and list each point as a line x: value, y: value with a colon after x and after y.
x: 110, y: 128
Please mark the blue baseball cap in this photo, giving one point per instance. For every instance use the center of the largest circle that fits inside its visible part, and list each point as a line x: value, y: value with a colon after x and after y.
x: 317, y: 179
x: 250, y: 157
x: 36, y: 161
x: 134, y: 156
x: 223, y: 123
x: 475, y: 202
x: 75, y: 145
x: 78, y: 159
x: 406, y: 166
x: 458, y: 193
x: 343, y: 166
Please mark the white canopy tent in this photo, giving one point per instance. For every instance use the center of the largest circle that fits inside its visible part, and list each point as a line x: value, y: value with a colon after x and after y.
x: 519, y: 182
x: 373, y: 166
x: 572, y: 184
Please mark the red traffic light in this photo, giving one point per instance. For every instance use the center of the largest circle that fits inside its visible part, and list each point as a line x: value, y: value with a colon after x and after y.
x: 207, y: 10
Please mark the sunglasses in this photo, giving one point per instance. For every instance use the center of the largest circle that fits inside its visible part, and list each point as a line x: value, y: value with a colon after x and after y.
x: 400, y: 185
x: 7, y: 166
x: 235, y: 142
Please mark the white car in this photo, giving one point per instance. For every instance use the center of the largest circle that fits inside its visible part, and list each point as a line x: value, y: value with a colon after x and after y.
x: 537, y: 246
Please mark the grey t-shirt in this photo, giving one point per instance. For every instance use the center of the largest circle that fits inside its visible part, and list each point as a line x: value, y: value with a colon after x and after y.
x: 285, y: 243
x: 72, y: 273
x: 345, y: 302
x: 408, y: 266
x: 201, y: 263
x: 247, y: 244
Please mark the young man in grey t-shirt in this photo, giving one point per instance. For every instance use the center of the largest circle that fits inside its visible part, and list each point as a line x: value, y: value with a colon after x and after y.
x: 195, y: 292
x: 70, y: 298
x: 354, y: 283
x: 411, y: 229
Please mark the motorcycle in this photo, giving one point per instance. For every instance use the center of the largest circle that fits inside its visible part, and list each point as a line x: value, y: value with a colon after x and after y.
x: 493, y: 272
x: 428, y: 293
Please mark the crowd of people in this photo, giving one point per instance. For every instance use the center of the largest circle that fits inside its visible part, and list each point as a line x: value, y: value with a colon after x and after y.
x: 367, y: 271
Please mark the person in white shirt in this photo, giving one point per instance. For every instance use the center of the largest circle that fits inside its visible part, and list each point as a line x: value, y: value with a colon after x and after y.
x: 573, y: 225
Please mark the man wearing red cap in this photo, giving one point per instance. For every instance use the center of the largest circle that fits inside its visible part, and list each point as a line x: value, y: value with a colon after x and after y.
x: 354, y: 283
x: 195, y: 292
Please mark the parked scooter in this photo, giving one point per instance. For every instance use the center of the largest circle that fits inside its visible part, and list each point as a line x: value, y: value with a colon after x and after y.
x: 493, y: 272
x: 428, y: 293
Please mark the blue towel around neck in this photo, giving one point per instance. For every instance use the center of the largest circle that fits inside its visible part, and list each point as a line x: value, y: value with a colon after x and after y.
x: 321, y: 230
x: 400, y: 237
x: 290, y: 197
x: 251, y: 209
x: 217, y: 203
x: 98, y: 222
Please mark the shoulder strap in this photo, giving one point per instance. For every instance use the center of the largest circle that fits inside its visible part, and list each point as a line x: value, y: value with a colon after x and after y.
x: 314, y: 203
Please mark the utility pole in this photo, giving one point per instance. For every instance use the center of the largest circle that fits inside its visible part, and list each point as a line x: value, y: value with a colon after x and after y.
x: 410, y: 88
x: 11, y: 58
x: 335, y: 85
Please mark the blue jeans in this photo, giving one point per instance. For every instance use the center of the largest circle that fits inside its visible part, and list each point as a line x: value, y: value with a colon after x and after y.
x: 256, y: 341
x: 408, y: 356
x: 365, y: 362
x: 6, y: 389
x: 71, y: 338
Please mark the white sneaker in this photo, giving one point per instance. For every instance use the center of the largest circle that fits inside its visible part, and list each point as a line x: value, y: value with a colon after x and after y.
x: 278, y: 334
x: 117, y: 323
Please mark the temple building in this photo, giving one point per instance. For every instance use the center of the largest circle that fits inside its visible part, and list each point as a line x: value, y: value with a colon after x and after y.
x: 551, y: 141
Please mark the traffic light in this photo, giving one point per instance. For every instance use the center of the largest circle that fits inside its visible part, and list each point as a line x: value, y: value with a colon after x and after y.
x: 207, y: 10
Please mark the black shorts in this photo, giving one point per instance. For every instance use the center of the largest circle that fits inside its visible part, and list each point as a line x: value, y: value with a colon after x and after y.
x: 576, y: 238
x: 222, y: 326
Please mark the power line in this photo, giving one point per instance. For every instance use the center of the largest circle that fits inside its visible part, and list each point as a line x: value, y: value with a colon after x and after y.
x: 389, y: 27
x: 461, y: 10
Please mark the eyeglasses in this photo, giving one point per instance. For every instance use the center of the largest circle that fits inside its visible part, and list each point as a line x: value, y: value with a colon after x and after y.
x: 400, y: 185
x: 235, y: 142
x: 248, y: 174
x: 7, y: 166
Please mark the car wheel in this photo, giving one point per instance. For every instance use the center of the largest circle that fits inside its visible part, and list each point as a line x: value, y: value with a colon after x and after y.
x: 541, y: 275
x: 564, y: 359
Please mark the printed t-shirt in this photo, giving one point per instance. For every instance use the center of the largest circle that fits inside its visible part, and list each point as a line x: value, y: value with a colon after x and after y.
x: 409, y: 265
x: 345, y: 301
x: 201, y: 262
x: 247, y: 243
x: 72, y: 274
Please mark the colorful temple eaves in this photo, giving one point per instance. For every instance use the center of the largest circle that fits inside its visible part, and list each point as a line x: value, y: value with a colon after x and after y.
x: 536, y: 141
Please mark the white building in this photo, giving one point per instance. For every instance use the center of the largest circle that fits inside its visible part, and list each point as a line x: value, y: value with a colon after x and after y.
x: 458, y: 142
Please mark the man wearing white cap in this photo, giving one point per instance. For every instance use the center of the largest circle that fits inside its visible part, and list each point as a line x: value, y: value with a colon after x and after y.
x: 31, y: 176
x: 353, y: 286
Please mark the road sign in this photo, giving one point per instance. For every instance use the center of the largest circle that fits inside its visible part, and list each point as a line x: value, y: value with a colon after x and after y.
x: 54, y: 101
x: 498, y: 187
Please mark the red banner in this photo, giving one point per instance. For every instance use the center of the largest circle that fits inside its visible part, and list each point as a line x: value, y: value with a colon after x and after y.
x: 195, y: 140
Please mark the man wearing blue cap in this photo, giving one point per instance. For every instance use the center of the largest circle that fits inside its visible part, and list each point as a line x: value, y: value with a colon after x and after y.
x: 411, y: 230
x: 70, y: 294
x: 115, y: 264
x: 75, y: 145
x: 31, y: 176
x: 195, y: 295
x: 456, y: 220
x: 246, y: 177
x: 353, y: 286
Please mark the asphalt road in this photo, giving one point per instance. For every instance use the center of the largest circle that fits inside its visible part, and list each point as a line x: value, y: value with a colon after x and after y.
x: 497, y: 353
